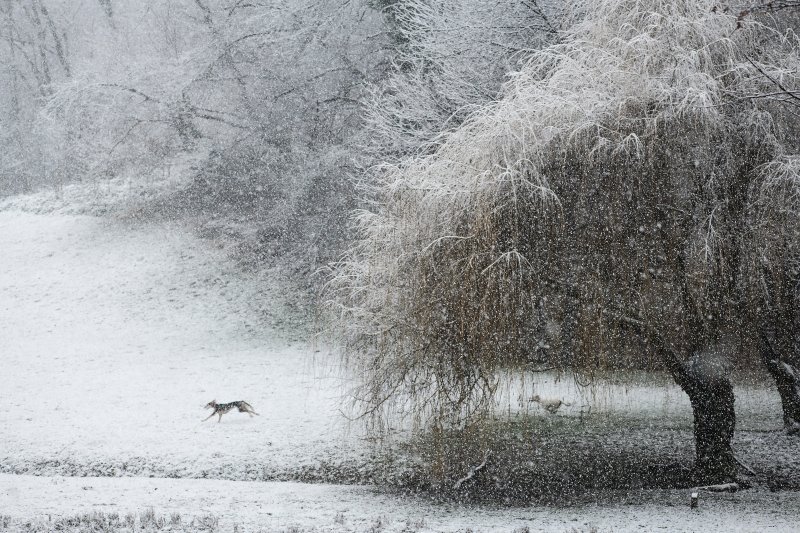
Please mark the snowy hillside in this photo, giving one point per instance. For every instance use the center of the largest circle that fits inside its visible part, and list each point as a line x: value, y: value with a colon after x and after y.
x: 116, y: 337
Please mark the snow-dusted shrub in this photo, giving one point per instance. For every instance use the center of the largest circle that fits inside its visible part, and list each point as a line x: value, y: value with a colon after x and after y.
x: 609, y: 186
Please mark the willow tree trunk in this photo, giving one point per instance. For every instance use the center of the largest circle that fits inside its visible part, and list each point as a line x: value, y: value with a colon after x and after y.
x: 787, y: 379
x: 710, y: 392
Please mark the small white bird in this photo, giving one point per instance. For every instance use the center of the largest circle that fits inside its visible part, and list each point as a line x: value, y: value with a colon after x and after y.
x: 550, y: 404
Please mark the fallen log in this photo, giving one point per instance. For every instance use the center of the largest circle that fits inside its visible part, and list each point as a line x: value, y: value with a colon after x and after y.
x: 723, y: 487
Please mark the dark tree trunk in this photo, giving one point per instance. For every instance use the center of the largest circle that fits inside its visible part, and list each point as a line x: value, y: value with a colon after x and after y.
x: 779, y: 327
x: 787, y: 379
x: 705, y: 378
x: 714, y: 423
x: 710, y: 392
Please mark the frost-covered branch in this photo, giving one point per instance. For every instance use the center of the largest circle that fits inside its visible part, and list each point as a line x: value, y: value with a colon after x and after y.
x: 472, y: 471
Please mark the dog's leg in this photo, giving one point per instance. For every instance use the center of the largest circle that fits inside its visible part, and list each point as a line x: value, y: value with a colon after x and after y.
x: 220, y: 418
x: 206, y: 418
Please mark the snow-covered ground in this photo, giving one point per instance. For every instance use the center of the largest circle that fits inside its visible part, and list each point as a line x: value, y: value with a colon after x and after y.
x: 114, y: 336
x: 287, y: 506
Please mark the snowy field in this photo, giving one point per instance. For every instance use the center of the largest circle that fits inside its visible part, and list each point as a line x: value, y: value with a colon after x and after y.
x: 287, y: 506
x: 116, y: 337
x: 116, y: 334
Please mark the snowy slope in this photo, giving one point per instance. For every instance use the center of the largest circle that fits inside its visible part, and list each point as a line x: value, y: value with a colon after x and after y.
x: 115, y: 337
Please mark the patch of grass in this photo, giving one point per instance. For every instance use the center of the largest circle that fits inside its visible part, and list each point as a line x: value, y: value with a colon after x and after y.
x: 145, y: 522
x: 554, y: 460
x: 562, y: 460
x: 345, y: 471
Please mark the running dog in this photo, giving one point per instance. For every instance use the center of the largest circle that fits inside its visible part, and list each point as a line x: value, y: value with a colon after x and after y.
x: 222, y: 408
x: 550, y: 405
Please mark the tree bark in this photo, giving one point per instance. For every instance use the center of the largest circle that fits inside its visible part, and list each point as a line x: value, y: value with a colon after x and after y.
x: 787, y: 379
x: 705, y: 379
x: 714, y: 423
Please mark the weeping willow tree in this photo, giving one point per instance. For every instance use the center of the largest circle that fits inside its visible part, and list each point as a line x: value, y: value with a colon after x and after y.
x: 631, y: 201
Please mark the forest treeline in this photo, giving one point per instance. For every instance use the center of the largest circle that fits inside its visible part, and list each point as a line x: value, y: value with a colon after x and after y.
x: 269, y: 110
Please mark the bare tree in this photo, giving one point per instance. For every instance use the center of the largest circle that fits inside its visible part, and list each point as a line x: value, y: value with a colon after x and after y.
x: 35, y: 53
x: 266, y: 99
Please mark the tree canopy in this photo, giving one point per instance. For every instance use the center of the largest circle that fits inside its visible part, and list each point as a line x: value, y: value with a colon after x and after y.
x: 627, y: 202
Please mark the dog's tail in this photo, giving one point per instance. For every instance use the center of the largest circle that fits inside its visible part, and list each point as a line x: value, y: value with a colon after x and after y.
x: 250, y: 407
